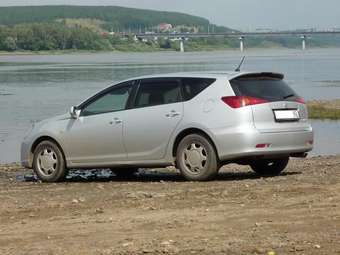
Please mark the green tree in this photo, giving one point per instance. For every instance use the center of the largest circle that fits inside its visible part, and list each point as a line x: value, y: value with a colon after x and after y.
x: 164, y: 44
x: 9, y: 44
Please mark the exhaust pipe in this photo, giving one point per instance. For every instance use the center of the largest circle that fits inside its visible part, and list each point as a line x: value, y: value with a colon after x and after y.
x: 299, y: 155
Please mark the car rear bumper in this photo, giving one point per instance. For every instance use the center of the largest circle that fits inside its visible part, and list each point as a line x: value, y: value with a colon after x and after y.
x: 247, y: 142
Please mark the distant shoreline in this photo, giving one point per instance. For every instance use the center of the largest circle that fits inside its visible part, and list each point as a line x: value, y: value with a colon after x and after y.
x: 76, y: 52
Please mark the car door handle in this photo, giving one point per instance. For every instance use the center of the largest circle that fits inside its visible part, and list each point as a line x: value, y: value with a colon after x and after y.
x: 116, y: 121
x: 172, y: 114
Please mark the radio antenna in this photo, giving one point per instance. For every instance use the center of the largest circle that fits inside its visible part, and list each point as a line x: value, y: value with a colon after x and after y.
x: 238, y: 69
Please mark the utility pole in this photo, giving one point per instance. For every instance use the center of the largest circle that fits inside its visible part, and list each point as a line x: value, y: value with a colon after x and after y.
x: 181, y: 44
x: 241, y: 43
x: 303, y: 37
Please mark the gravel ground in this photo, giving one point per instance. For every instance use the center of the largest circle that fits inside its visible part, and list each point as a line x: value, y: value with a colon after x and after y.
x: 157, y: 212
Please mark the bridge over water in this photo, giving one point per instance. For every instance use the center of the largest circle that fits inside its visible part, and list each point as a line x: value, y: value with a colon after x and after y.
x: 302, y: 34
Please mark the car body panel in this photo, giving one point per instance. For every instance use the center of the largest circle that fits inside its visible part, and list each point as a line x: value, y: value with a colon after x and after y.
x: 234, y: 143
x: 96, y: 138
x: 146, y: 136
x: 264, y: 119
x: 43, y: 129
x: 147, y: 131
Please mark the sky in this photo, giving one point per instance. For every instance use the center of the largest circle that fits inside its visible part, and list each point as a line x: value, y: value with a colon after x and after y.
x: 245, y: 15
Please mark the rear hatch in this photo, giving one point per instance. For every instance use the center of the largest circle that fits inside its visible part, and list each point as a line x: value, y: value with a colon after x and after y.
x: 278, y: 108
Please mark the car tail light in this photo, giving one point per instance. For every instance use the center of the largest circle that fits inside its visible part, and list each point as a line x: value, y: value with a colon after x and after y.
x: 241, y: 101
x: 262, y: 145
x: 300, y: 100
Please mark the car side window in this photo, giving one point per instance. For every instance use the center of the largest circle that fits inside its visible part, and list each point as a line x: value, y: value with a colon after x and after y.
x: 158, y: 92
x: 193, y: 86
x: 114, y: 100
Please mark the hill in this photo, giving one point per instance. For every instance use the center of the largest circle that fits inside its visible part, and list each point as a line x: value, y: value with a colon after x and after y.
x: 48, y: 28
x: 113, y: 17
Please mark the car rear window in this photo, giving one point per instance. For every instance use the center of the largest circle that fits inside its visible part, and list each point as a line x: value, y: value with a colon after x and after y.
x: 193, y: 86
x: 268, y: 88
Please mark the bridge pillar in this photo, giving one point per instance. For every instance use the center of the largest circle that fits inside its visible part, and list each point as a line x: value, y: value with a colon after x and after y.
x: 303, y: 37
x: 181, y: 45
x: 241, y: 43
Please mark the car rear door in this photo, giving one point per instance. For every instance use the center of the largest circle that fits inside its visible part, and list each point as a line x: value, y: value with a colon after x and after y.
x: 280, y: 110
x: 157, y: 111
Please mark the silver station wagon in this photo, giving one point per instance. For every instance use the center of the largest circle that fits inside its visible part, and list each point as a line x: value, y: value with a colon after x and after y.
x: 196, y: 122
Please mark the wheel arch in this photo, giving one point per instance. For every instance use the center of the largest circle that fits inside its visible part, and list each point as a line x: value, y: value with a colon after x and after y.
x: 189, y: 131
x: 46, y: 138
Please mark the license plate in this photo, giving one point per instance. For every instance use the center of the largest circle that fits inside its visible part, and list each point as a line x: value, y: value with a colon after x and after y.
x: 286, y: 115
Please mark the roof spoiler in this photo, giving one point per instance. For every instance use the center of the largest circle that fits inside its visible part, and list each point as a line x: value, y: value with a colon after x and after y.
x: 271, y: 75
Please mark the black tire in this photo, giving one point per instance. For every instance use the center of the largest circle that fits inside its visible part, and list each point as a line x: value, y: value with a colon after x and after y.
x: 49, y: 163
x: 124, y: 172
x: 190, y: 160
x: 269, y: 167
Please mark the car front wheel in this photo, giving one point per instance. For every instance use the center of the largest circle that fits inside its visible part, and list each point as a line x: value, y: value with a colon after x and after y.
x: 49, y: 163
x: 196, y: 158
x: 269, y: 167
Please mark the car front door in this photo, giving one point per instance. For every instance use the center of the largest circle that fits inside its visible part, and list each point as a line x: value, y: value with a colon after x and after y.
x: 158, y: 109
x: 96, y: 136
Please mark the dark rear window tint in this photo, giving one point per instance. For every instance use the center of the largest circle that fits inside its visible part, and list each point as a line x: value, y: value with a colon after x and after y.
x: 158, y: 92
x: 267, y: 88
x: 193, y: 86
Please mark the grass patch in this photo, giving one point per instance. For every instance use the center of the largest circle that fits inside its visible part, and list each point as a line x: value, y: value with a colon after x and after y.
x: 322, y: 112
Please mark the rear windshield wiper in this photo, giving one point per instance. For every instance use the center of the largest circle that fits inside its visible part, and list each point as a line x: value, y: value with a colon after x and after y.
x: 288, y: 96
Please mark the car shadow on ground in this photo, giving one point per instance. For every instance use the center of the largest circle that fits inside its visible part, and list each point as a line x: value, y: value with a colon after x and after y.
x: 83, y: 176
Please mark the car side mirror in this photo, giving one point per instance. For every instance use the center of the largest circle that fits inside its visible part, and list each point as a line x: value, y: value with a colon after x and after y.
x: 75, y: 112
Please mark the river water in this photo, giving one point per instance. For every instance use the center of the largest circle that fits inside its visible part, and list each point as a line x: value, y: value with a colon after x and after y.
x: 40, y: 86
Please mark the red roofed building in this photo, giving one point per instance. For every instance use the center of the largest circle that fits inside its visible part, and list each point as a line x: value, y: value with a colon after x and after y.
x: 164, y: 26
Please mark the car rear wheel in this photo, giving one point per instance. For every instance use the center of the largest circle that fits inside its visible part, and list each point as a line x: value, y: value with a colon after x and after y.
x: 124, y: 172
x: 269, y: 167
x: 196, y: 158
x: 49, y: 163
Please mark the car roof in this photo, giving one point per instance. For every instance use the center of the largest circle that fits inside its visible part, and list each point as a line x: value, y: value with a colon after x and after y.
x: 203, y: 74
